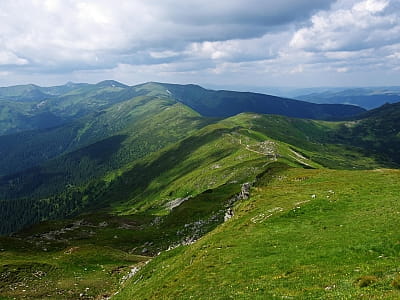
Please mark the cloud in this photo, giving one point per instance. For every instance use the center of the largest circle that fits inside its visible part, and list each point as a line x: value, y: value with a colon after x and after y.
x: 91, y: 33
x: 9, y: 58
x: 290, y: 41
x: 367, y: 24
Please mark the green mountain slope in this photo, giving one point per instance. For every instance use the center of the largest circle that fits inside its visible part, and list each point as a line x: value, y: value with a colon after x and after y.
x: 136, y: 172
x: 31, y: 107
x: 228, y: 103
x: 303, y: 234
x: 54, y: 185
x: 57, y: 188
x: 28, y: 149
x: 212, y: 158
x: 178, y: 194
x: 210, y: 166
x: 377, y: 131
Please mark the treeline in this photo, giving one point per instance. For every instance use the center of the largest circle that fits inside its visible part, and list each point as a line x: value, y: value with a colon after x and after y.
x: 378, y: 134
x: 19, y: 213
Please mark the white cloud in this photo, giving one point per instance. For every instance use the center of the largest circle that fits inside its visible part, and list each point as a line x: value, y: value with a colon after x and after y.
x: 53, y: 31
x: 294, y: 41
x: 9, y: 58
x: 371, y: 6
x: 364, y: 25
x: 342, y: 70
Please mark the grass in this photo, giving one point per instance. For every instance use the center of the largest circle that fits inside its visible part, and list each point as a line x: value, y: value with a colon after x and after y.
x: 306, y: 232
x: 89, y: 256
x: 286, y: 243
x: 62, y: 274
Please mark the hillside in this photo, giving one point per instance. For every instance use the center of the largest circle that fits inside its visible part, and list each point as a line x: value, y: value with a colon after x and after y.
x: 281, y: 242
x: 107, y: 167
x: 144, y: 176
x: 377, y: 131
x: 30, y: 107
x: 136, y: 121
x: 303, y: 234
x: 229, y: 103
x: 77, y: 115
x: 131, y: 217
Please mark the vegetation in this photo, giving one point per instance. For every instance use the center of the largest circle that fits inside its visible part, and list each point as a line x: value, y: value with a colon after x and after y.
x: 228, y: 103
x: 102, y: 175
x: 377, y: 131
x: 285, y: 242
x: 132, y: 178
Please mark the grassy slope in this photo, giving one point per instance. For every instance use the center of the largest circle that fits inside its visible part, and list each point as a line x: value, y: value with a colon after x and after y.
x: 31, y: 107
x: 210, y: 165
x: 118, y: 136
x: 377, y: 131
x: 213, y: 156
x: 229, y: 103
x: 30, y: 148
x: 220, y: 157
x: 120, y: 235
x: 282, y: 242
x: 319, y: 139
x: 233, y: 149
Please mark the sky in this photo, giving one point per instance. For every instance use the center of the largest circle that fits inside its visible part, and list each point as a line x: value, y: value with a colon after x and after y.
x: 224, y: 43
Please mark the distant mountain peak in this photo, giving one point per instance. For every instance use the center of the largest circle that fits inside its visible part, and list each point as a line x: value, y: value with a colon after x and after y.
x: 111, y: 83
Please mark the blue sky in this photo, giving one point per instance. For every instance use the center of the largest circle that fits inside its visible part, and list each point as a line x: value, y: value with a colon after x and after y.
x: 300, y: 43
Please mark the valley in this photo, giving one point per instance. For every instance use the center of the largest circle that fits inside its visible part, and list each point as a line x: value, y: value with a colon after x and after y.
x: 140, y: 192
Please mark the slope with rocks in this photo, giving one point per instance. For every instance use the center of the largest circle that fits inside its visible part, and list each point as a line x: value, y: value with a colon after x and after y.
x: 302, y: 234
x: 127, y: 215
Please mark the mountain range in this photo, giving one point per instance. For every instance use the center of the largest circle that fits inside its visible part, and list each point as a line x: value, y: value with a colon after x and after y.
x: 368, y: 98
x: 229, y: 194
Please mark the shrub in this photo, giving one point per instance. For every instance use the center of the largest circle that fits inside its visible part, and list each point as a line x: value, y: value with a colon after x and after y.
x: 365, y: 281
x: 396, y: 282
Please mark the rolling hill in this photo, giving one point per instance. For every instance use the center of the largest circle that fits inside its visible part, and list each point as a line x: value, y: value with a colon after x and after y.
x: 227, y: 103
x: 147, y: 194
x: 108, y: 163
x: 31, y: 107
x: 303, y: 234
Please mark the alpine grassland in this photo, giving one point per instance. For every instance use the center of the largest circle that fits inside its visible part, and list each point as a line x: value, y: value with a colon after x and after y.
x: 135, y: 194
x: 303, y: 234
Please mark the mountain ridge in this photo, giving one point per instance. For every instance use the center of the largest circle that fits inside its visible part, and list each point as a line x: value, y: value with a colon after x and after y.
x: 137, y: 175
x: 18, y: 110
x: 368, y: 98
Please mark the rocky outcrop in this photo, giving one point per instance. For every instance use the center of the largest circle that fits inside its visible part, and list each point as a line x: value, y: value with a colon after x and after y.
x: 245, y: 192
x: 175, y: 203
x: 228, y: 214
x: 243, y: 195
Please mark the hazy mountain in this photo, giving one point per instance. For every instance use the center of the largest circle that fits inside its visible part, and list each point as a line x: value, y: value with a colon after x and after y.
x: 365, y: 97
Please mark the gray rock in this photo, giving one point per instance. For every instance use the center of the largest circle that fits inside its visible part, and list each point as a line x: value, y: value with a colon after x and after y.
x: 245, y: 192
x: 175, y: 203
